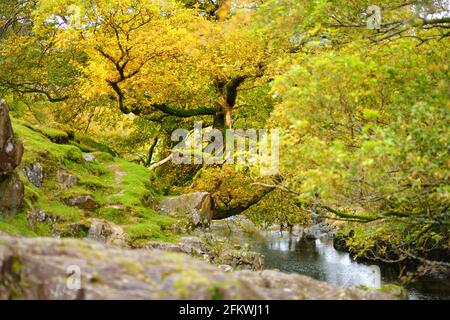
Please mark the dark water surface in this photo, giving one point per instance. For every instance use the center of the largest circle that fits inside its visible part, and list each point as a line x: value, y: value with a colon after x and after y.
x: 319, y: 260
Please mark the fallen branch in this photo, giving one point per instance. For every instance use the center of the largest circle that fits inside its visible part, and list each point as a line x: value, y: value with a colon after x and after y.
x: 160, y: 163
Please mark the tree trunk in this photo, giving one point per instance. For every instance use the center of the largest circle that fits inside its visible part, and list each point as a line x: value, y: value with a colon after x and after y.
x: 227, y: 110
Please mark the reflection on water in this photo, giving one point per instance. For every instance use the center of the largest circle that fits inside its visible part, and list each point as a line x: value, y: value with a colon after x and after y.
x: 317, y: 259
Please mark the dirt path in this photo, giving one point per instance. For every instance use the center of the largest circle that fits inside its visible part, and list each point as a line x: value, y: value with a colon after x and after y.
x: 119, y: 174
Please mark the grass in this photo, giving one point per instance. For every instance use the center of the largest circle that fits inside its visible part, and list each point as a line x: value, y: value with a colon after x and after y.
x: 123, y: 200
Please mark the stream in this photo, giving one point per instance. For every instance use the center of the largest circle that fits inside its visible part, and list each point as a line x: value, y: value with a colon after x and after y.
x: 319, y: 260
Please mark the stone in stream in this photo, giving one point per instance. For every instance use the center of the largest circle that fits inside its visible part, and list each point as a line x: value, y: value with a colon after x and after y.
x: 196, y: 207
x: 318, y: 231
x: 37, y: 268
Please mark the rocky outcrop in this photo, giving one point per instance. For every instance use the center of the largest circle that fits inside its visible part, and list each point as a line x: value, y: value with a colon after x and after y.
x: 319, y: 230
x: 241, y: 259
x: 11, y: 152
x: 106, y: 232
x: 11, y: 194
x: 35, y: 174
x: 66, y: 179
x: 83, y: 202
x: 189, y: 245
x: 44, y: 268
x: 196, y: 207
x: 228, y: 258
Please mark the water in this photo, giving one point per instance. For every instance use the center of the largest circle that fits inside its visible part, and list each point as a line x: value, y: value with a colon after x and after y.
x: 319, y: 260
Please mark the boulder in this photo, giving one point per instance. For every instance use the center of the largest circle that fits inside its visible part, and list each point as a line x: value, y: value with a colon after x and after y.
x: 37, y: 216
x: 40, y: 216
x: 83, y: 202
x: 236, y: 258
x: 319, y: 230
x: 340, y: 242
x: 241, y: 259
x: 11, y: 150
x: 66, y: 179
x: 195, y: 206
x: 11, y: 194
x: 106, y: 232
x: 63, y: 269
x: 189, y: 245
x: 35, y: 174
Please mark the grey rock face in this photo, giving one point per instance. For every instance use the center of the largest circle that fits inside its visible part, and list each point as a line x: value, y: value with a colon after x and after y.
x: 11, y: 150
x: 106, y: 232
x: 38, y: 268
x: 83, y: 202
x: 189, y: 245
x: 242, y: 260
x: 235, y: 259
x: 195, y: 206
x: 35, y: 174
x: 66, y: 179
x: 11, y: 194
x: 318, y: 231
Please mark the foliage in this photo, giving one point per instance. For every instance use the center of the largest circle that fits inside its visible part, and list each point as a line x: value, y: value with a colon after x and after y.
x: 363, y: 112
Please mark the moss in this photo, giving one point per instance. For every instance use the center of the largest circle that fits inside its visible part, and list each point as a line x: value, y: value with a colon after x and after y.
x: 217, y: 294
x: 121, y: 189
x: 114, y: 215
x: 190, y: 279
x: 40, y: 148
x: 132, y: 268
x: 88, y: 142
x: 103, y: 156
x: 16, y: 225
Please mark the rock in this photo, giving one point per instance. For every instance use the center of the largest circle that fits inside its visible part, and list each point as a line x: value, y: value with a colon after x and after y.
x: 11, y: 194
x: 40, y: 216
x: 36, y: 216
x: 301, y: 287
x: 45, y: 268
x: 35, y: 174
x: 11, y: 150
x: 297, y: 231
x: 241, y: 259
x: 340, y: 242
x: 106, y: 232
x: 83, y: 202
x: 225, y: 268
x: 189, y: 245
x: 66, y: 179
x: 89, y: 157
x: 76, y: 230
x: 237, y: 259
x: 319, y: 230
x: 195, y: 206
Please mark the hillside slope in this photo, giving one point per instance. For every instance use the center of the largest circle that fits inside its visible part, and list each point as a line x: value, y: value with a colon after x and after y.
x: 75, y: 179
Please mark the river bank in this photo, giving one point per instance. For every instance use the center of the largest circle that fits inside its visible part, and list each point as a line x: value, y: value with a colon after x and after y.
x: 320, y: 260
